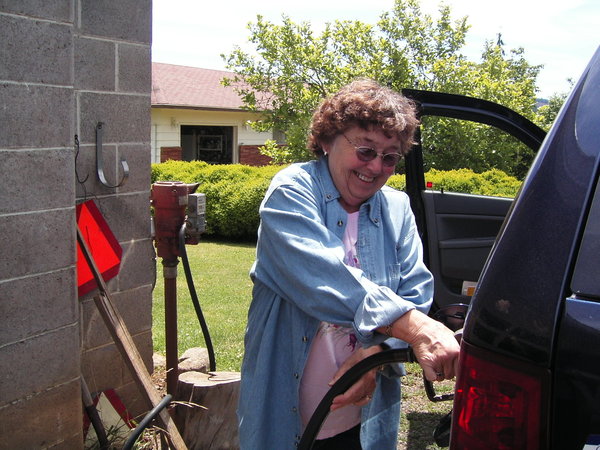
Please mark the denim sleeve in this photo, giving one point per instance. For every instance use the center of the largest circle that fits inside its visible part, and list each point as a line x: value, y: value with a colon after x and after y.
x: 301, y: 260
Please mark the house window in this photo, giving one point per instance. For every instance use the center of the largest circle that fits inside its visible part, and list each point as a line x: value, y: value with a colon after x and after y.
x: 213, y: 144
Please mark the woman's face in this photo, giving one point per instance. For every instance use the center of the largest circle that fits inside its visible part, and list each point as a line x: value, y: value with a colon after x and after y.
x: 357, y: 180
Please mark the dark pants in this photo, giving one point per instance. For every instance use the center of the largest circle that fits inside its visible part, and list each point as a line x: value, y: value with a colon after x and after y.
x: 348, y: 440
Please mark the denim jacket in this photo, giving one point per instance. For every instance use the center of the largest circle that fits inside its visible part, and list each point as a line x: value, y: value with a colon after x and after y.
x: 300, y: 280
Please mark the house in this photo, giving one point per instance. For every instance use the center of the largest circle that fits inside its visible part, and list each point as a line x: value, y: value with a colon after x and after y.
x: 195, y: 117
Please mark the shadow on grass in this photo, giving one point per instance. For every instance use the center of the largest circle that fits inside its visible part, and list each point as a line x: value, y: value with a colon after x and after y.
x: 420, y: 430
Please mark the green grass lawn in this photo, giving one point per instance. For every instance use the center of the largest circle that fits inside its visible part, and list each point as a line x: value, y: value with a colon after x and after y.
x: 220, y: 272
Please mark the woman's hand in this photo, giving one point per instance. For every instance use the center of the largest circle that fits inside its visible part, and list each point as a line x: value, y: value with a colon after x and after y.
x: 359, y: 393
x: 433, y: 343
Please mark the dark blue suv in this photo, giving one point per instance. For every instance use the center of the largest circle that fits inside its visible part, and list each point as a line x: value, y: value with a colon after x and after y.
x: 530, y: 354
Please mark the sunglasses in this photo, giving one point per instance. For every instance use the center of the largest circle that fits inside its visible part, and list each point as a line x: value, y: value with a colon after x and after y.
x: 367, y: 154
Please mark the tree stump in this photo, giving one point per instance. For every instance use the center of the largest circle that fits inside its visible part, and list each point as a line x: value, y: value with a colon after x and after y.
x: 210, y: 421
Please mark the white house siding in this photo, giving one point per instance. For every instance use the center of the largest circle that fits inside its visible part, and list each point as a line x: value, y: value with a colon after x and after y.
x: 167, y: 122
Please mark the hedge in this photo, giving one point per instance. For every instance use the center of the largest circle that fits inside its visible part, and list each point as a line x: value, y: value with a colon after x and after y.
x: 234, y: 191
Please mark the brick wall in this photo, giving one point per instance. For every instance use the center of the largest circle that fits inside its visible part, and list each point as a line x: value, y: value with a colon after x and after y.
x: 68, y: 64
x: 250, y: 155
x: 167, y: 153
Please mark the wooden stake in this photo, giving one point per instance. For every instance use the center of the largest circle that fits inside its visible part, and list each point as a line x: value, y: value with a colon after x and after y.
x: 124, y: 342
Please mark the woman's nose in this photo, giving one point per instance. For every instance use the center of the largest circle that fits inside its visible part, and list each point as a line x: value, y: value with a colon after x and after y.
x: 376, y: 164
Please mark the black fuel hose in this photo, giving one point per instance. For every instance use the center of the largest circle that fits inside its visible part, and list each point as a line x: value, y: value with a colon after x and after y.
x: 344, y: 383
x: 133, y: 437
x: 192, y: 289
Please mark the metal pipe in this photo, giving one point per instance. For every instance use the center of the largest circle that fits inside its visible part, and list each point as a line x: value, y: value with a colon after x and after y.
x: 170, y: 277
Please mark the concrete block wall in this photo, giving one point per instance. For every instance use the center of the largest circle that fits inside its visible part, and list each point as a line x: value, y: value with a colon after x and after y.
x: 67, y: 65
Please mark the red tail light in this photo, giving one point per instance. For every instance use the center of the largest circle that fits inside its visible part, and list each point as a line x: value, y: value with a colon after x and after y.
x: 497, y: 404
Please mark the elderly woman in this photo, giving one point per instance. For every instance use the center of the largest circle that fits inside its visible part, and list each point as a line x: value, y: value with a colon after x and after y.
x: 339, y: 276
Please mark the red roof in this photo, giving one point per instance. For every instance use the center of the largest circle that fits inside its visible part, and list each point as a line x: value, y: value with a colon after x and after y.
x: 192, y: 87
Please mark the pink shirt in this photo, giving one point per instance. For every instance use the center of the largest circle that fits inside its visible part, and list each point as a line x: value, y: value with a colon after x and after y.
x: 331, y: 346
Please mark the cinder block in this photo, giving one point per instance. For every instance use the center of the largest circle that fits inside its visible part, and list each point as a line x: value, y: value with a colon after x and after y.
x: 128, y: 215
x: 36, y: 364
x: 133, y: 400
x: 26, y: 310
x: 104, y: 368
x: 135, y: 68
x: 71, y: 442
x: 58, y: 10
x: 134, y: 306
x: 94, y: 64
x: 130, y: 20
x: 138, y: 158
x: 34, y: 180
x: 126, y: 118
x: 36, y: 116
x: 37, y: 242
x: 35, y: 51
x: 51, y: 419
x: 138, y: 266
x: 89, y: 184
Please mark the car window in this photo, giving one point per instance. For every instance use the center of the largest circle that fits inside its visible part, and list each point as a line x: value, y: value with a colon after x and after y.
x: 586, y: 282
x: 473, y: 158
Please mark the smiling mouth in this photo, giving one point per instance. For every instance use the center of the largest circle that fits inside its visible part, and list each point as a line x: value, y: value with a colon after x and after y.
x: 364, y: 178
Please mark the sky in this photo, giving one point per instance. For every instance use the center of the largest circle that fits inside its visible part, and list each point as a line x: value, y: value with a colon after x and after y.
x: 560, y: 35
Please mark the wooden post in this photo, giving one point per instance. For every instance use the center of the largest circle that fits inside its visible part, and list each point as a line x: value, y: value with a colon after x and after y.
x: 124, y: 342
x: 206, y: 409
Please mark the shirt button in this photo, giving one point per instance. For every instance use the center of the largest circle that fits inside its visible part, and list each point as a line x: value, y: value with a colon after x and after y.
x: 294, y: 409
x: 304, y: 338
x: 328, y: 196
x: 296, y: 376
x: 376, y: 220
x: 340, y: 223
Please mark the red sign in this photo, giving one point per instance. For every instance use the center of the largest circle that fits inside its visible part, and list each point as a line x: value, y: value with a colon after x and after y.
x: 101, y: 242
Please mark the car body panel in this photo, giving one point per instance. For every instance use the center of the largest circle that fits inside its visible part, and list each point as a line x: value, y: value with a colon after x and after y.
x: 525, y: 277
x: 537, y: 300
x: 576, y: 379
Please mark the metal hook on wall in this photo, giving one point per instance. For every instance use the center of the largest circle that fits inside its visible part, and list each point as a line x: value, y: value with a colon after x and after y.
x: 99, y: 163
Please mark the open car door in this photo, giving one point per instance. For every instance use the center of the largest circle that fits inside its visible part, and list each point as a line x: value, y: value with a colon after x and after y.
x: 458, y: 230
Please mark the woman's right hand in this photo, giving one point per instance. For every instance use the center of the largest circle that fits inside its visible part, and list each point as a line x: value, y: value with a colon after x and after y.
x: 432, y: 342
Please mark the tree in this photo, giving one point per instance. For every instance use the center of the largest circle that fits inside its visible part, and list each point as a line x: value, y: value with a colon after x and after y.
x: 546, y: 114
x: 507, y: 80
x: 292, y: 69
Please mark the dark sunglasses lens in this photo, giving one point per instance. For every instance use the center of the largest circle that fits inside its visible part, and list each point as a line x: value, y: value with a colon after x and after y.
x: 365, y: 153
x: 391, y: 159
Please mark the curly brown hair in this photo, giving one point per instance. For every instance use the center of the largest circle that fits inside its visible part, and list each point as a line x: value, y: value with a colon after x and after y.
x: 366, y: 104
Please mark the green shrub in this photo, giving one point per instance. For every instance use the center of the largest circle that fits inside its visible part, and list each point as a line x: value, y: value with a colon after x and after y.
x: 397, y: 182
x: 234, y: 191
x: 492, y: 182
